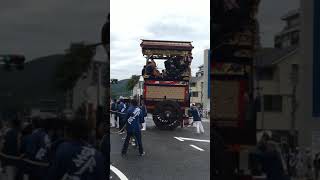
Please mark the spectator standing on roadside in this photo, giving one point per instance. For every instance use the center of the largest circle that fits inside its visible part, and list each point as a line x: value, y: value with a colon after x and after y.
x: 301, y: 170
x: 308, y: 164
x: 117, y: 115
x: 196, y: 118
x: 114, y: 113
x: 269, y: 155
x: 293, y: 163
x: 122, y: 110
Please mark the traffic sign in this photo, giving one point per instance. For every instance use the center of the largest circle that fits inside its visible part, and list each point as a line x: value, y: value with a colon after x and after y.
x: 10, y: 60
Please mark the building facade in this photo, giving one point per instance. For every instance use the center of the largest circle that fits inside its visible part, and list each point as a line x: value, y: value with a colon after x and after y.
x: 200, y: 85
x: 289, y: 36
x: 274, y: 85
x: 137, y: 90
x: 277, y: 72
x: 302, y: 68
x: 196, y: 88
x: 90, y: 88
x: 206, y: 84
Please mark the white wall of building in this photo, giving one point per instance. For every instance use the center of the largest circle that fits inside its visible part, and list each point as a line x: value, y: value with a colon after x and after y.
x: 85, y: 92
x: 280, y: 85
x: 206, y: 65
x: 138, y: 89
x: 198, y: 88
x: 202, y: 85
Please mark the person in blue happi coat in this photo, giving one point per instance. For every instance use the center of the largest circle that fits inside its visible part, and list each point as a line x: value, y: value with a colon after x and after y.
x: 75, y: 158
x: 134, y: 118
x: 37, y: 150
x: 24, y: 169
x: 10, y: 153
x: 105, y: 146
x: 57, y: 137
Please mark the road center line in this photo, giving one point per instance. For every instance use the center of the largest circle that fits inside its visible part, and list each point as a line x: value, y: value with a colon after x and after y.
x: 196, y: 147
x: 118, y: 173
x: 179, y: 139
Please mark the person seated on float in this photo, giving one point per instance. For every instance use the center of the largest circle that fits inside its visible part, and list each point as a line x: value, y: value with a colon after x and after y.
x: 143, y: 72
x: 149, y: 68
x: 156, y: 73
x: 164, y: 74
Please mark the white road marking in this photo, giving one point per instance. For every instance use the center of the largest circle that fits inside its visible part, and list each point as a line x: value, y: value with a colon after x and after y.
x: 118, y: 173
x: 196, y: 147
x: 205, y: 120
x: 191, y: 139
x: 179, y: 139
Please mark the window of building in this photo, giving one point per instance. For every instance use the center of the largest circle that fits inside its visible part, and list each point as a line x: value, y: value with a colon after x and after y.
x: 294, y: 75
x: 278, y: 45
x: 286, y: 43
x: 272, y: 103
x: 295, y: 38
x: 266, y: 73
x: 193, y: 84
x: 194, y: 94
x: 293, y: 22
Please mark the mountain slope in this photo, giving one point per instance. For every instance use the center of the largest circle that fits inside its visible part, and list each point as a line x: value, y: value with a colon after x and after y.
x: 120, y: 89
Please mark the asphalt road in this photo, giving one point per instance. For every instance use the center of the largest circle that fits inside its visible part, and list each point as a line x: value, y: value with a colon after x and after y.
x: 166, y: 157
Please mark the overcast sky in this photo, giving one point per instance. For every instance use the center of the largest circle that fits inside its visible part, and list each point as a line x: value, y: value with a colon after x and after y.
x: 42, y: 27
x: 38, y: 28
x: 270, y: 12
x: 131, y: 21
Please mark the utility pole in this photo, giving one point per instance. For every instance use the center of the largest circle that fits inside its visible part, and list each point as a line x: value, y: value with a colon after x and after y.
x: 261, y: 98
x: 293, y: 112
x: 294, y: 81
x: 12, y: 60
x: 98, y: 84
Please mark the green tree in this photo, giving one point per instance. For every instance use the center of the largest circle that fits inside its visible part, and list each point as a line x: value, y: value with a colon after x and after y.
x: 132, y: 82
x: 77, y: 61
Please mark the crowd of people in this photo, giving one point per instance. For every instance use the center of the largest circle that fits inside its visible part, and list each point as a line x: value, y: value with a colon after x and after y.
x: 176, y: 68
x: 269, y: 160
x: 52, y: 148
x: 301, y: 164
x: 279, y: 161
x: 129, y: 117
x: 120, y: 115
